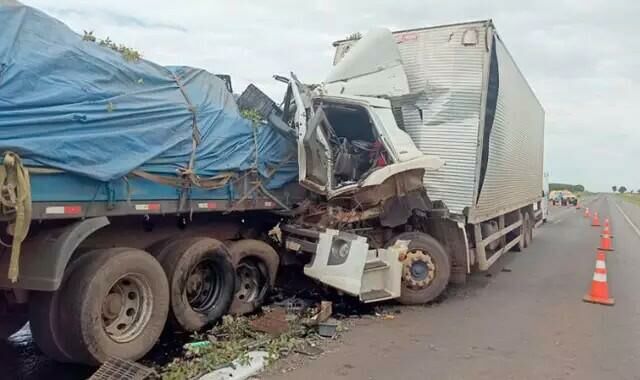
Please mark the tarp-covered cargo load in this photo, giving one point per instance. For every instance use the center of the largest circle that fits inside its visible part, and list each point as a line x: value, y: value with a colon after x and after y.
x: 68, y: 103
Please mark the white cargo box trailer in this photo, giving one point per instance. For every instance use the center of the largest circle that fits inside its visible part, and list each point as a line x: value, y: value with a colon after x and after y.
x: 477, y: 112
x: 451, y: 93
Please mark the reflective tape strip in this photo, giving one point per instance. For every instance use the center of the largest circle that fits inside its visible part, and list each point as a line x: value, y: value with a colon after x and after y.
x: 600, y: 277
x: 148, y: 207
x: 208, y: 205
x: 268, y: 204
x: 600, y: 264
x: 63, y: 210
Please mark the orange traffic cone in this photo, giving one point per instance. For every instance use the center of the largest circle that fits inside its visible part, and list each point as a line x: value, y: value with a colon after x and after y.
x: 605, y: 242
x: 586, y: 212
x: 599, y: 292
x: 596, y: 221
x: 578, y: 206
x: 606, y: 230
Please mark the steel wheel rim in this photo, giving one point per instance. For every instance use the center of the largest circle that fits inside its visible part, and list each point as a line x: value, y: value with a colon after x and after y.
x: 203, y: 286
x: 250, y: 280
x: 127, y: 308
x: 419, y: 270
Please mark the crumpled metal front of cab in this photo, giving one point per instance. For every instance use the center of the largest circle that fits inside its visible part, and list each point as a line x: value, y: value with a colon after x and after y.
x: 70, y: 104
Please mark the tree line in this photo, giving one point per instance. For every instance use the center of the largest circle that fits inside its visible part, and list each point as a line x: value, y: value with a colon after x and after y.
x: 622, y: 189
x: 566, y: 186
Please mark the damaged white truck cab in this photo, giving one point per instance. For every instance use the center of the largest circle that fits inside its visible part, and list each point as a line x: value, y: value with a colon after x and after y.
x: 397, y: 106
x: 334, y: 129
x: 350, y: 148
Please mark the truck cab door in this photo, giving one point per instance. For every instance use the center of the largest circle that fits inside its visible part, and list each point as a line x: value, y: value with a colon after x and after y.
x: 314, y: 132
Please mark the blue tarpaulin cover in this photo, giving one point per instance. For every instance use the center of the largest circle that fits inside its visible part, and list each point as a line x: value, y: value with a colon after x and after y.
x: 71, y: 104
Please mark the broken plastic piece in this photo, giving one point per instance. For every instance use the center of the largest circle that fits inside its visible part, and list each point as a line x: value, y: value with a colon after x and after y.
x: 240, y: 369
x: 328, y: 329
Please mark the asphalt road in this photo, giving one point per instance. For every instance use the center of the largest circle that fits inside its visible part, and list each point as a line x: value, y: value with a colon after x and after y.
x: 528, y: 322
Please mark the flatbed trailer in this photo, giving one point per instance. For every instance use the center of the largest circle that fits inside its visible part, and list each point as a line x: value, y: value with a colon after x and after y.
x: 133, y: 195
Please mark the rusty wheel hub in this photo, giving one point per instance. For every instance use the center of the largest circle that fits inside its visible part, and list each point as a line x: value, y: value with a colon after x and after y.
x: 419, y: 269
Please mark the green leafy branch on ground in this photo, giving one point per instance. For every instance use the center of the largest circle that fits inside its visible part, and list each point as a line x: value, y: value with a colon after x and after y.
x: 232, y: 340
x: 130, y: 55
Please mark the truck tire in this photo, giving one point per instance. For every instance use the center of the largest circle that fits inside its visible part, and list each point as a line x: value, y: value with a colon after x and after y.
x: 426, y: 271
x: 256, y: 264
x: 526, y: 231
x: 116, y: 305
x: 11, y: 321
x: 44, y: 317
x: 201, y: 281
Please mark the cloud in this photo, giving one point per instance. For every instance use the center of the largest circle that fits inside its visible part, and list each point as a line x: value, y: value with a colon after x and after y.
x: 116, y: 18
x: 582, y: 57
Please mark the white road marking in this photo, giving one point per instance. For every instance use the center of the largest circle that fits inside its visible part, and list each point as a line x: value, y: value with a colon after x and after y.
x: 635, y: 228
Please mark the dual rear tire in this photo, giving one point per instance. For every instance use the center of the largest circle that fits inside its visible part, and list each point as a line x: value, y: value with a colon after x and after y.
x: 201, y: 281
x: 115, y: 302
x: 112, y: 303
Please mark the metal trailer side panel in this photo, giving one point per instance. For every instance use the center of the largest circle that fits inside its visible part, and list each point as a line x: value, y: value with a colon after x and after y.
x: 447, y: 64
x: 514, y: 167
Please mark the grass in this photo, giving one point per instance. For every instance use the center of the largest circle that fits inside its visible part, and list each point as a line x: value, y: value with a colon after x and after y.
x: 632, y: 198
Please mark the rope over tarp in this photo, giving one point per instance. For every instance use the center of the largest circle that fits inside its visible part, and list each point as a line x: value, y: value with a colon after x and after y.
x: 15, y: 202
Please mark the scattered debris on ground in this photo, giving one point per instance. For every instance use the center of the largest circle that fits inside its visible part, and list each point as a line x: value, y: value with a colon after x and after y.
x: 329, y: 328
x: 275, y: 332
x: 299, y: 319
x: 273, y: 322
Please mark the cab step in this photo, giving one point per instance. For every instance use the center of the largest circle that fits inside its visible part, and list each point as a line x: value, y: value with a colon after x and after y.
x: 376, y: 295
x: 375, y: 265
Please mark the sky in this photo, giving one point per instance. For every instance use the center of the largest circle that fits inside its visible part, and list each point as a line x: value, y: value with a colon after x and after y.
x: 582, y: 57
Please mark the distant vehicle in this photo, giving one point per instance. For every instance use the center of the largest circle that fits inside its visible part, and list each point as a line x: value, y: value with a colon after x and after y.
x: 563, y: 198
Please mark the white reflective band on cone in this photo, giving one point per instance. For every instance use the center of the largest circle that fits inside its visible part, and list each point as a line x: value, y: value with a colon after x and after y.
x: 600, y: 277
x: 600, y: 264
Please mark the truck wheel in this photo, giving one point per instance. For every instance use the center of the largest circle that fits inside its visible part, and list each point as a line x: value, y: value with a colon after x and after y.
x: 525, y: 231
x: 256, y: 264
x: 201, y: 281
x: 426, y: 269
x: 11, y: 321
x: 44, y: 317
x: 116, y: 305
